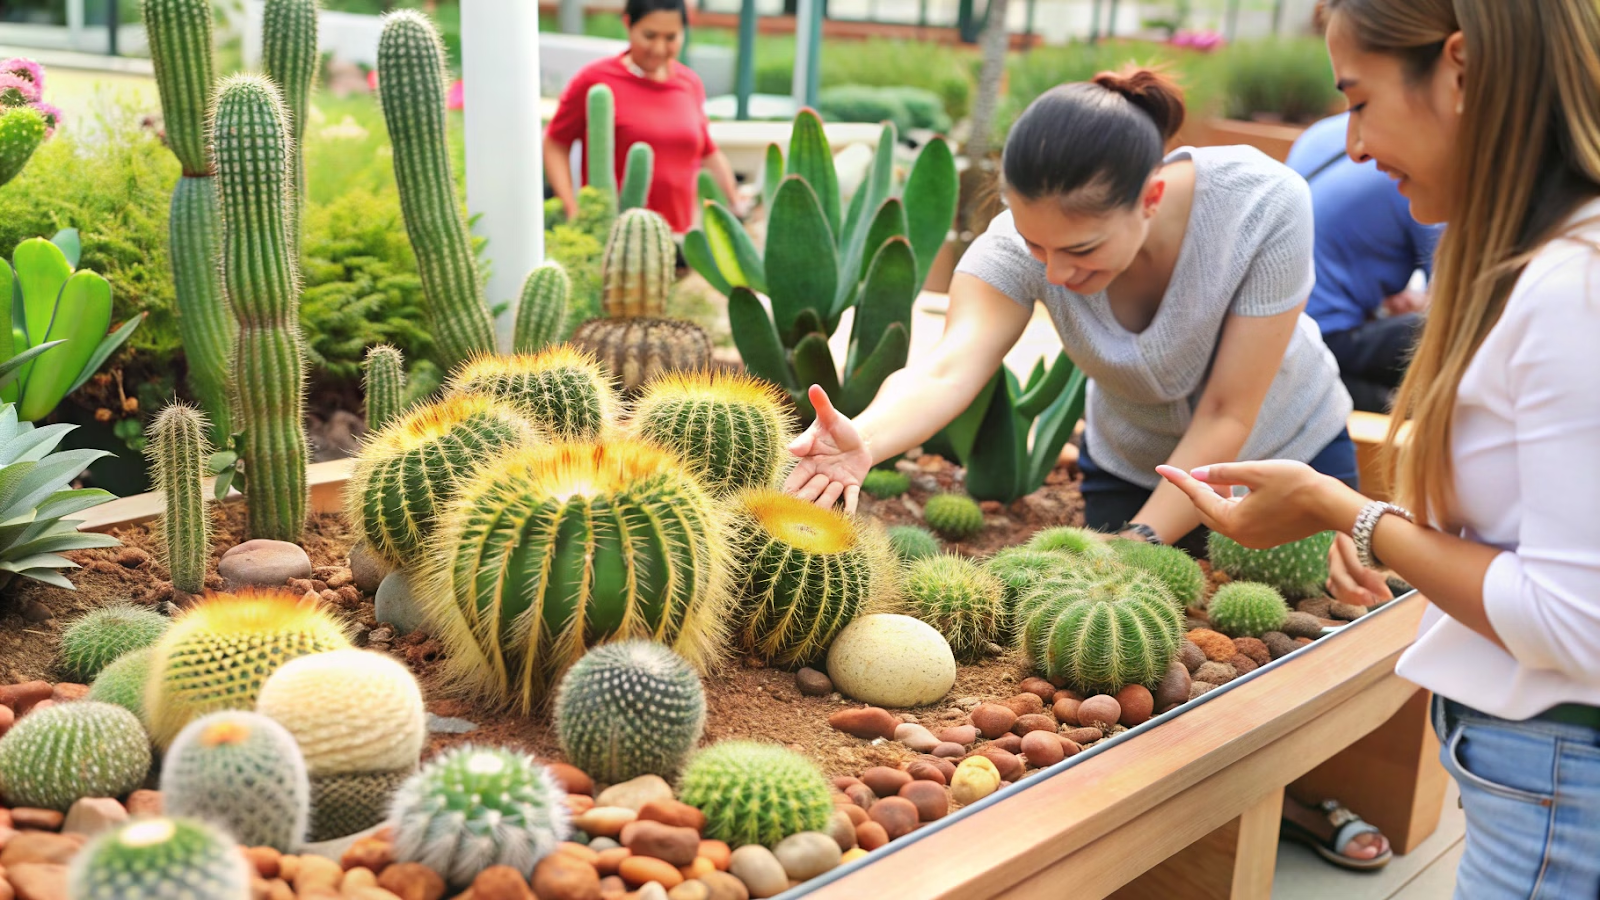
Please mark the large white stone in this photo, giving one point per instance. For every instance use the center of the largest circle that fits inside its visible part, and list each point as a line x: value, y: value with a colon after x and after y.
x: 891, y: 660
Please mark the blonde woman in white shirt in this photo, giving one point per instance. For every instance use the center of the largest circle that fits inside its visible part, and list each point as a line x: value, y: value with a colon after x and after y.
x: 1488, y: 113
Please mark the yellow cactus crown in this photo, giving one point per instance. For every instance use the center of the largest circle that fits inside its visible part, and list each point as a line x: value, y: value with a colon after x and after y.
x: 564, y: 469
x: 800, y: 523
x: 428, y: 423
x: 715, y: 384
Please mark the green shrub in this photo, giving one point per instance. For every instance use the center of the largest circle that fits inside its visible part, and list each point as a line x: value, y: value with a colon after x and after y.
x: 944, y: 71
x: 1288, y: 79
x: 906, y: 107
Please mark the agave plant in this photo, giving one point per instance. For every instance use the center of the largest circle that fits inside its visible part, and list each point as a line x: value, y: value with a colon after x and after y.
x: 35, y: 496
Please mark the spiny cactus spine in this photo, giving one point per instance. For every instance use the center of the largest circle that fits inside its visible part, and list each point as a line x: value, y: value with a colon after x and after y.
x: 412, y: 88
x: 53, y: 757
x: 1101, y: 626
x: 561, y: 389
x: 160, y: 857
x: 1175, y: 568
x: 600, y: 145
x: 542, y: 312
x: 913, y: 542
x: 638, y: 267
x: 732, y: 428
x: 755, y: 793
x: 179, y: 450
x: 955, y: 517
x: 1073, y: 541
x: 242, y: 772
x: 385, y: 379
x: 252, y: 143
x: 634, y: 351
x: 474, y: 807
x: 96, y: 639
x: 630, y: 708
x: 1247, y: 609
x: 886, y: 484
x: 122, y: 683
x: 374, y: 722
x: 803, y: 573
x: 612, y: 540
x: 1297, y: 570
x: 960, y: 600
x: 637, y: 175
x: 219, y: 653
x: 289, y: 57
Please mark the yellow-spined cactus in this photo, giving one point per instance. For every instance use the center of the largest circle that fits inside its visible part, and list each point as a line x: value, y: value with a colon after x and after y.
x: 734, y: 429
x: 562, y: 389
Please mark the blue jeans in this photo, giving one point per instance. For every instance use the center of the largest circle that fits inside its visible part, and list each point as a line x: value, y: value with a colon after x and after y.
x: 1531, y: 791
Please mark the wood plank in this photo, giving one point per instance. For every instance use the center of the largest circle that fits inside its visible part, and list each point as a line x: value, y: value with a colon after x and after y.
x: 1234, y: 861
x: 325, y: 481
x: 1369, y: 431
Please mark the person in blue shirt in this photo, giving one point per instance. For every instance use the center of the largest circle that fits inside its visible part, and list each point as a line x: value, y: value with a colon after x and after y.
x: 1367, y: 248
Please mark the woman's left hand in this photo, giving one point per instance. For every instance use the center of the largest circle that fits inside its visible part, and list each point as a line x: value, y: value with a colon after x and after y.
x: 1287, y: 501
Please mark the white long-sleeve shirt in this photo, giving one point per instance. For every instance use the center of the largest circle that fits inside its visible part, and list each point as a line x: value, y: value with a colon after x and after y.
x: 1526, y: 444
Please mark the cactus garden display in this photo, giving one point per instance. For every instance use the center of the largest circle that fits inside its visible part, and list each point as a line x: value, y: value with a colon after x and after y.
x: 53, y: 757
x: 100, y: 636
x: 732, y: 428
x: 1175, y: 568
x: 1298, y: 569
x: 630, y: 708
x: 242, y: 772
x: 160, y: 857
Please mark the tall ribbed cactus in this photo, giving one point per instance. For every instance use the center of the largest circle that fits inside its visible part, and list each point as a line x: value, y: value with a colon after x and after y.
x: 181, y: 50
x: 179, y: 451
x: 636, y: 177
x: 252, y: 143
x: 289, y: 58
x: 638, y: 266
x: 600, y: 144
x: 412, y: 88
x: 542, y: 314
x: 385, y: 378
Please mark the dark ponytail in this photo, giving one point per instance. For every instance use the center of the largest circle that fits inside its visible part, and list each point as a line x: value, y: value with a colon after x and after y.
x: 1096, y: 141
x: 634, y: 10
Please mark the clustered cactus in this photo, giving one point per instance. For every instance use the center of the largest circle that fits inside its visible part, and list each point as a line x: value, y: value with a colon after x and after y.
x: 754, y: 793
x: 122, y: 682
x: 1019, y: 569
x: 160, y: 857
x: 100, y: 636
x: 561, y: 389
x: 960, y: 600
x: 179, y: 450
x: 1297, y: 570
x: 1066, y: 539
x: 55, y: 756
x: 953, y: 516
x: 1101, y: 626
x: 731, y: 428
x: 242, y: 772
x: 1245, y: 609
x: 630, y: 708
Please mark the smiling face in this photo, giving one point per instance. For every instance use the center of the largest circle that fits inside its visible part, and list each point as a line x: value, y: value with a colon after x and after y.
x: 655, y: 39
x: 1081, y: 251
x: 1406, y: 122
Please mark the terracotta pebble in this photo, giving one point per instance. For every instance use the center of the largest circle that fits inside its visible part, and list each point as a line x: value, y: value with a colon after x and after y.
x: 566, y: 876
x: 718, y: 852
x: 637, y: 870
x: 926, y: 771
x: 1024, y: 704
x: 673, y: 812
x: 992, y: 719
x: 670, y: 843
x: 884, y: 781
x: 1137, y: 704
x: 611, y: 860
x: 1010, y: 743
x: 1254, y: 648
x: 1066, y: 710
x: 861, y: 795
x: 1034, y: 722
x: 958, y: 734
x: 1009, y: 765
x: 500, y: 883
x: 1042, y: 748
x: 897, y: 815
x: 1102, y: 710
x: 867, y: 722
x: 870, y: 836
x: 930, y: 800
x: 1044, y: 689
x: 1085, y: 735
x: 949, y: 750
x: 572, y: 779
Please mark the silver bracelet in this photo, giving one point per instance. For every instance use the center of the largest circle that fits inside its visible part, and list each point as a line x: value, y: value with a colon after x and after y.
x: 1367, y: 522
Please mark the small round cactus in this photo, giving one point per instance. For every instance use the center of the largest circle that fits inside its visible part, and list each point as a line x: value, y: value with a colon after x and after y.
x: 242, y: 772
x: 1247, y: 609
x: 628, y: 709
x: 100, y: 636
x: 473, y: 807
x: 373, y: 722
x: 753, y: 793
x: 160, y: 857
x: 122, y: 683
x: 1297, y: 570
x: 960, y: 600
x: 1065, y: 539
x: 1102, y: 626
x: 886, y: 483
x: 53, y: 757
x: 913, y: 542
x: 1176, y: 569
x: 1019, y: 569
x: 562, y: 389
x: 954, y: 516
x: 732, y: 428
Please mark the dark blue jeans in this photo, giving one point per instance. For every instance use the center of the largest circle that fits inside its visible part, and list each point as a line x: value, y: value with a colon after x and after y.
x: 1373, y: 358
x: 1110, y: 502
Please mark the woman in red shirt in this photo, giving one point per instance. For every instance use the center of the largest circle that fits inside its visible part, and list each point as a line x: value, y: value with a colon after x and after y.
x: 659, y: 101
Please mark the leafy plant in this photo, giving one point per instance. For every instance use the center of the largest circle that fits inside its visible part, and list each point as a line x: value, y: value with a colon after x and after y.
x: 37, y: 496
x: 1288, y: 80
x: 992, y: 436
x: 906, y: 107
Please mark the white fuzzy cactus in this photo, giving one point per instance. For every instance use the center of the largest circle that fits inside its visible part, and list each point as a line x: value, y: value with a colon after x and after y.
x: 351, y: 711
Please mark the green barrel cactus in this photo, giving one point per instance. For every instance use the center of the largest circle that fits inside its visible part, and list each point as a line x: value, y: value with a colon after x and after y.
x: 1247, y: 609
x: 385, y: 377
x: 218, y: 654
x: 600, y: 146
x: 635, y: 351
x: 1102, y: 626
x: 639, y: 266
x: 913, y: 542
x: 542, y: 312
x: 1298, y: 570
x: 252, y: 145
x: 160, y: 857
x: 1069, y: 540
x: 405, y: 473
x: 562, y: 390
x: 552, y: 549
x: 803, y: 574
x: 122, y: 682
x: 733, y: 429
x: 637, y: 176
x: 411, y: 86
x: 56, y: 756
x: 374, y: 722
x: 179, y: 450
x: 345, y: 804
x: 630, y: 708
x: 886, y: 484
x: 953, y: 516
x: 960, y: 600
x: 1176, y: 568
x: 755, y: 793
x: 100, y: 636
x: 242, y: 772
x: 289, y: 57
x: 22, y: 130
x: 474, y: 807
x: 1019, y: 569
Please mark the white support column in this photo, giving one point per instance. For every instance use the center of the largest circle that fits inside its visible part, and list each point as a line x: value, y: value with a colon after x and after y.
x: 75, y: 25
x: 504, y: 137
x: 802, y: 52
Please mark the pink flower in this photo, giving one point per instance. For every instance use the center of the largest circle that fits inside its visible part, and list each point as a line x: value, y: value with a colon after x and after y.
x: 52, y: 117
x: 16, y: 90
x: 25, y: 68
x: 457, y: 97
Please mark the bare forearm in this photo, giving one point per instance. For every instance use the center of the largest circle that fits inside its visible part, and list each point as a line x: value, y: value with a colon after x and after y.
x: 558, y: 169
x: 1209, y: 439
x: 911, y: 407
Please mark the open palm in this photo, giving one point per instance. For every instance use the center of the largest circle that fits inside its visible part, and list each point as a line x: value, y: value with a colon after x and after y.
x: 833, y: 457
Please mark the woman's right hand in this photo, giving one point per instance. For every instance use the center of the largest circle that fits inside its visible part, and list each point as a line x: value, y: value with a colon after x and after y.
x: 834, y: 458
x: 1351, y: 582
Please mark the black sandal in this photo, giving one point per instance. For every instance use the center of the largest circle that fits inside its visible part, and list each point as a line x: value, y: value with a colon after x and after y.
x: 1347, y: 827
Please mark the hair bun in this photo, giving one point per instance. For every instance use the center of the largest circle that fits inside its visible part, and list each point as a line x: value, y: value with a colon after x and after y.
x: 1150, y: 90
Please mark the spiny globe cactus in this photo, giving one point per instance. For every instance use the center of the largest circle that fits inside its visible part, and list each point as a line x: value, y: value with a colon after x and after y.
x: 373, y: 722
x: 960, y: 600
x: 242, y: 772
x: 636, y: 351
x: 1176, y: 568
x: 1102, y: 626
x: 913, y: 542
x: 732, y: 428
x: 53, y: 757
x: 886, y: 483
x: 1019, y: 570
x: 753, y: 793
x: 630, y: 708
x: 97, y: 638
x: 160, y: 857
x: 953, y: 516
x: 474, y: 807
x: 562, y: 390
x: 1297, y: 570
x: 122, y: 683
x: 1246, y: 609
x: 1065, y: 539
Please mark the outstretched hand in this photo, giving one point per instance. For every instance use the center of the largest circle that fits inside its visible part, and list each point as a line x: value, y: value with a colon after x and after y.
x: 834, y: 458
x: 1287, y: 501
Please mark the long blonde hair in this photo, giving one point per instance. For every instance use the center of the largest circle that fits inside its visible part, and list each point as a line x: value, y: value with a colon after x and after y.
x: 1528, y: 156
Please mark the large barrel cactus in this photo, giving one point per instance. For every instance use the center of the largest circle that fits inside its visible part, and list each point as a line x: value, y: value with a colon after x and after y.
x: 734, y: 429
x: 635, y: 351
x: 561, y: 389
x: 1102, y: 625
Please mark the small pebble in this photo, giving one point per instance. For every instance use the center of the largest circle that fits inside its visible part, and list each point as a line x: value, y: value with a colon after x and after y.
x: 263, y: 563
x: 1200, y: 688
x: 35, y: 612
x: 1242, y: 664
x: 862, y: 796
x: 693, y: 889
x: 635, y: 793
x: 650, y: 890
x: 950, y: 750
x: 1137, y: 704
x: 1025, y: 704
x: 604, y: 821
x: 1298, y: 625
x: 725, y: 887
x: 760, y: 871
x: 40, y: 847
x: 865, y: 722
x: 813, y: 683
x: 673, y: 812
x: 66, y: 692
x: 871, y: 836
x: 366, y: 569
x: 673, y: 844
x: 1103, y: 710
x: 842, y: 829
x: 808, y: 854
x: 1253, y: 648
x: 563, y: 876
x: 91, y: 815
x: 958, y: 734
x: 922, y: 770
x: 1034, y: 722
x: 1042, y: 748
x: 1279, y: 644
x: 1008, y: 764
x: 572, y: 779
x: 916, y: 737
x: 1066, y: 710
x: 1010, y: 743
x: 1088, y: 734
x: 31, y: 818
x: 21, y: 696
x: 993, y: 720
x: 1190, y: 654
x: 500, y: 883
x: 897, y: 815
x: 718, y: 852
x: 602, y: 843
x: 851, y: 856
x: 976, y: 777
x: 884, y: 781
x: 1044, y: 689
x: 930, y: 799
x: 1174, y: 687
x: 1214, y: 673
x: 637, y: 870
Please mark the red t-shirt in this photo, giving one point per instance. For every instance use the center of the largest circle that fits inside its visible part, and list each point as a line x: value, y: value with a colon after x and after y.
x: 668, y: 115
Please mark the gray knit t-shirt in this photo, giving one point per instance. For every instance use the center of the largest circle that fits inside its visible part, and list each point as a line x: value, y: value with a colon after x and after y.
x: 1248, y: 252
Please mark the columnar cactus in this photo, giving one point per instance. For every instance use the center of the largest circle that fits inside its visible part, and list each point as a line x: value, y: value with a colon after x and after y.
x: 639, y: 265
x: 634, y: 351
x: 289, y: 57
x: 637, y: 175
x: 551, y: 549
x: 218, y: 654
x: 954, y: 516
x: 260, y: 275
x: 179, y: 451
x: 406, y: 472
x: 412, y: 87
x: 53, y: 757
x: 100, y: 636
x: 1102, y: 626
x: 960, y: 600
x: 542, y: 312
x: 385, y: 379
x: 561, y: 389
x: 475, y: 807
x: 803, y: 574
x: 756, y: 793
x: 180, y: 35
x: 1175, y: 568
x: 734, y: 429
x: 122, y: 683
x: 600, y: 144
x: 374, y: 722
x: 1246, y: 609
x: 160, y: 857
x: 630, y: 708
x: 242, y: 772
x: 1297, y: 570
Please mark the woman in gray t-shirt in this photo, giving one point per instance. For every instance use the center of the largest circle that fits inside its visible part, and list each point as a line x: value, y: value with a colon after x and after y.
x: 1177, y: 285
